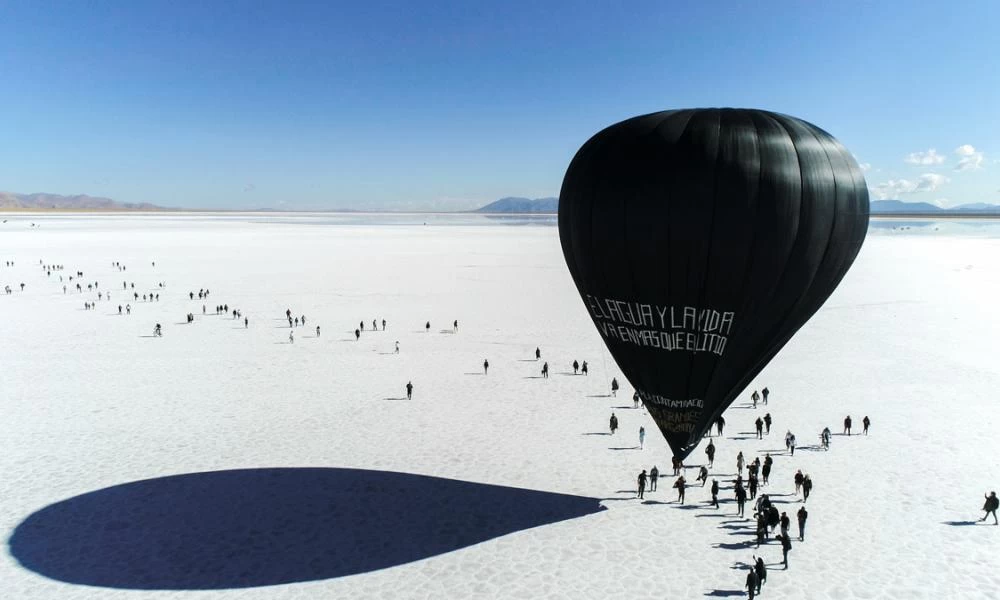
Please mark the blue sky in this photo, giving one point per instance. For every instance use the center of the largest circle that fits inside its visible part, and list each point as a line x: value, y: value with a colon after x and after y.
x: 449, y: 105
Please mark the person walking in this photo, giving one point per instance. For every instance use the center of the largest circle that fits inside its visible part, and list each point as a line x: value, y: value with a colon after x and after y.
x: 847, y: 425
x: 710, y: 453
x: 719, y: 424
x: 807, y: 486
x: 802, y: 515
x: 486, y: 367
x: 613, y: 423
x: 702, y: 475
x: 767, y: 424
x: 545, y: 370
x: 715, y: 493
x: 760, y: 568
x: 759, y: 424
x: 397, y: 345
x: 642, y: 437
x: 764, y: 392
x: 990, y: 506
x: 538, y: 353
x: 614, y: 386
x: 642, y: 483
x: 866, y: 422
x: 291, y: 337
x: 317, y: 331
x: 755, y: 397
x: 798, y: 481
x: 752, y: 583
x: 739, y: 463
x: 409, y: 390
x: 635, y: 400
x: 584, y: 369
x: 576, y: 368
x: 785, y: 523
x: 654, y: 474
x: 741, y: 499
x: 680, y: 485
x: 357, y: 335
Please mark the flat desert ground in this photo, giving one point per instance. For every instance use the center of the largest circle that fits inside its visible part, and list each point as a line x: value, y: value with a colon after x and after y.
x: 222, y: 461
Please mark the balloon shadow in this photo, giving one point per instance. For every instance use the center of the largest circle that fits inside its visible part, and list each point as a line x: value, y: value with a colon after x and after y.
x: 959, y: 523
x: 259, y: 527
x: 725, y: 593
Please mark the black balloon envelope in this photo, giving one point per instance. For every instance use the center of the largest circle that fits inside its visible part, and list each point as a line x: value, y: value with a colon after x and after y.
x: 700, y: 241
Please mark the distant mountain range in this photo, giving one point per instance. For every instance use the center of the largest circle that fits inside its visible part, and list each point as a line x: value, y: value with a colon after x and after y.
x: 878, y: 207
x: 78, y: 202
x: 891, y: 207
x: 521, y: 205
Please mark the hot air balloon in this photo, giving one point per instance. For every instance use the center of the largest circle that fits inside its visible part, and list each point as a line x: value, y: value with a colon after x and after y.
x: 700, y: 241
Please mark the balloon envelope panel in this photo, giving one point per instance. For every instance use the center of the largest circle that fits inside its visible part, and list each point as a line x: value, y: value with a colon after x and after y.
x: 700, y: 241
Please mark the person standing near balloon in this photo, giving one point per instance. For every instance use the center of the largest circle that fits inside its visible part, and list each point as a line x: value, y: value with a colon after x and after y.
x: 635, y: 400
x: 613, y: 423
x: 719, y: 424
x: 764, y: 392
x: 710, y: 453
x: 680, y: 485
x: 642, y: 437
x: 654, y: 474
x: 702, y: 475
x: 614, y: 386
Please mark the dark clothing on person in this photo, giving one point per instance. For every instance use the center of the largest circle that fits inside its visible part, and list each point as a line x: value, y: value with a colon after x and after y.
x: 761, y: 569
x: 654, y: 474
x: 866, y: 422
x: 807, y: 486
x: 642, y: 483
x: 759, y: 423
x: 715, y: 494
x: 409, y: 391
x: 802, y: 516
x: 753, y: 584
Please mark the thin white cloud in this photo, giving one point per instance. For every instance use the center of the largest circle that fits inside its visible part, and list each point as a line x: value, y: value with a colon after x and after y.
x: 931, y: 157
x: 971, y: 158
x: 894, y: 188
x: 865, y: 166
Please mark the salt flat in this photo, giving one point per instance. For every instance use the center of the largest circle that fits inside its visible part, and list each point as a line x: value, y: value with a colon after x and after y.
x: 307, y: 451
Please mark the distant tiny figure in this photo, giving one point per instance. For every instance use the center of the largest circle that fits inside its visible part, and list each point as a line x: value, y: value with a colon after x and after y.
x: 362, y: 326
x: 741, y: 499
x: 764, y: 392
x: 635, y: 400
x: 990, y: 506
x: 427, y: 327
x: 824, y: 438
x: 296, y: 321
x: 767, y: 424
x: 715, y: 493
x: 755, y: 397
x: 719, y: 424
x: 397, y: 346
x: 246, y: 322
x: 613, y: 423
x: 799, y: 477
x: 374, y: 324
x: 545, y: 370
x: 486, y: 367
x: 866, y: 422
x: 357, y: 334
x: 847, y: 425
x: 383, y: 324
x: 454, y: 326
x: 614, y: 386
x: 802, y: 516
x: 642, y: 437
x: 654, y: 474
x: 759, y: 424
x: 576, y: 368
x: 409, y: 390
x: 740, y: 461
x: 583, y: 368
x: 710, y: 453
x: 807, y: 486
x: 642, y: 483
x: 788, y: 439
x: 291, y: 337
x: 317, y: 331
x: 538, y: 353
